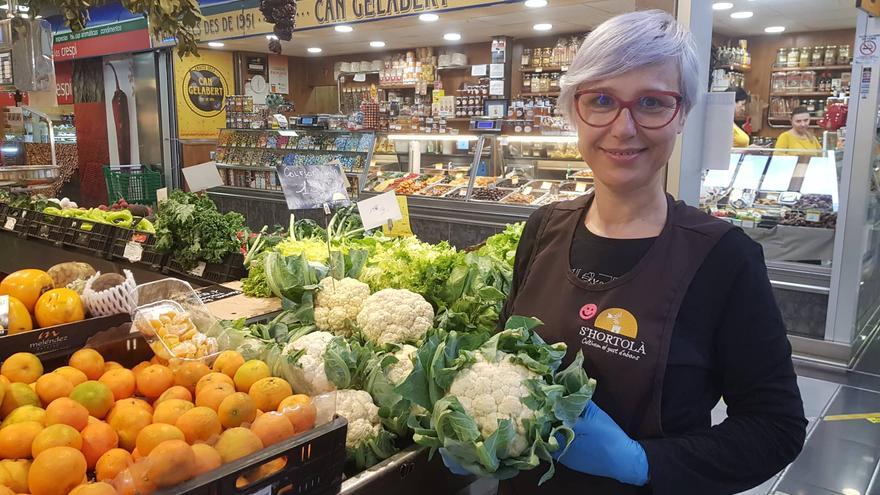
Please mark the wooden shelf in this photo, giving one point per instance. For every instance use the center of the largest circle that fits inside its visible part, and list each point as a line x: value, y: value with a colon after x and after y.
x: 401, y: 86
x: 556, y: 68
x: 735, y: 68
x: 786, y: 119
x: 455, y: 67
x: 818, y: 67
x: 549, y: 93
x: 805, y: 93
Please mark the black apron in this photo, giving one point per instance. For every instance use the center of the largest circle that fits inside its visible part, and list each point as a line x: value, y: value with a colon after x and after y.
x: 624, y: 327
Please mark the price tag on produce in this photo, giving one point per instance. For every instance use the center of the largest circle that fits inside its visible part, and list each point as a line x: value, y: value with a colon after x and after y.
x: 133, y: 251
x: 748, y: 224
x: 564, y: 68
x: 814, y: 216
x: 199, y: 270
x: 400, y: 228
x: 539, y: 69
x: 527, y: 190
x: 438, y: 166
x: 580, y: 186
x: 546, y: 185
x: 515, y: 181
x: 10, y: 223
x: 459, y: 175
x: 379, y: 210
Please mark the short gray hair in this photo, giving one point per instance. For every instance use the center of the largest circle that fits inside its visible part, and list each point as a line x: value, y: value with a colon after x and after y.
x: 632, y: 41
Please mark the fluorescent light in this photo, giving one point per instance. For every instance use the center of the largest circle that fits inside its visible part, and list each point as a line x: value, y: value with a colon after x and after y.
x: 745, y: 14
x: 314, y: 49
x: 535, y: 4
x: 22, y: 8
x: 430, y: 137
x: 541, y: 139
x: 377, y: 44
x: 542, y: 27
x: 774, y: 29
x: 271, y: 37
x: 343, y: 28
x: 451, y: 36
x: 216, y: 44
x: 429, y: 17
x: 722, y: 6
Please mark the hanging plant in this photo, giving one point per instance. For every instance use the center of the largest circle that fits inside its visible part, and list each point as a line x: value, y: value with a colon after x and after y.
x: 167, y: 18
x: 281, y: 13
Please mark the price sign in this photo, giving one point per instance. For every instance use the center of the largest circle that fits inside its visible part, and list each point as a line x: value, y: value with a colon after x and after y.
x: 813, y: 216
x: 133, y: 252
x: 459, y: 175
x: 400, y: 228
x: 539, y: 69
x: 438, y: 166
x: 199, y: 270
x: 10, y: 223
x: 360, y: 77
x: 515, y: 181
x: 546, y: 185
x: 748, y: 224
x: 379, y: 210
x: 580, y: 186
x: 527, y: 190
x: 311, y: 186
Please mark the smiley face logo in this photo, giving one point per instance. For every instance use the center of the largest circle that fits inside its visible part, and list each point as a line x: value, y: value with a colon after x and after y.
x: 588, y: 311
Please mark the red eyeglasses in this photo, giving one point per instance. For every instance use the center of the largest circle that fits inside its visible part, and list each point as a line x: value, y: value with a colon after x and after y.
x: 650, y: 110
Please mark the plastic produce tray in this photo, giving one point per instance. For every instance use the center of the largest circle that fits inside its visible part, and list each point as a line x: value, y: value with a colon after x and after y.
x: 147, y: 255
x: 406, y: 473
x: 95, y: 239
x: 46, y: 227
x: 232, y: 268
x: 20, y: 223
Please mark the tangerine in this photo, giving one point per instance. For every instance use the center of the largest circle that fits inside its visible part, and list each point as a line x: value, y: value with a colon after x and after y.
x: 189, y: 373
x: 171, y: 462
x: 89, y: 361
x: 140, y: 367
x: 67, y: 411
x: 249, y: 373
x: 236, y: 443
x: 95, y: 396
x: 269, y: 392
x: 272, y: 427
x: 52, y: 386
x: 169, y: 411
x: 236, y: 409
x: 57, y: 471
x: 153, y: 380
x: 212, y: 395
x: 73, y: 375
x: 22, y: 367
x: 18, y: 472
x: 130, y: 402
x: 120, y: 381
x: 207, y: 458
x: 128, y: 425
x: 175, y: 392
x: 96, y: 488
x: 16, y: 439
x: 302, y: 415
x: 111, y: 463
x: 154, y: 434
x: 228, y: 363
x: 56, y: 436
x: 97, y: 439
x: 199, y: 424
x: 18, y: 395
x: 211, y: 379
x: 25, y: 413
x: 112, y: 365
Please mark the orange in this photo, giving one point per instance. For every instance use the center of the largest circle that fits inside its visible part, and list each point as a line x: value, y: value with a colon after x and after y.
x: 153, y: 380
x: 212, y: 395
x: 67, y: 411
x: 59, y: 306
x: 52, y: 386
x: 18, y: 473
x: 57, y: 471
x: 128, y: 424
x: 269, y: 392
x: 207, y: 458
x: 272, y: 428
x: 140, y: 367
x: 136, y: 455
x: 156, y: 359
x: 200, y: 424
x: 154, y: 434
x: 22, y: 367
x: 111, y: 463
x: 89, y: 361
x: 27, y: 286
x: 25, y: 413
x: 300, y: 411
x: 96, y: 396
x: 18, y: 395
x: 124, y: 403
x: 98, y: 488
x: 228, y: 363
x: 135, y: 480
x: 236, y: 409
x: 19, y: 317
x: 5, y: 478
x: 16, y: 440
x: 189, y: 373
x: 56, y: 436
x: 212, y: 379
x: 236, y: 443
x: 175, y: 392
x: 97, y: 439
x: 73, y: 375
x: 171, y: 462
x: 6, y: 491
x: 112, y: 365
x: 4, y: 386
x: 120, y: 381
x: 249, y: 373
x: 169, y: 411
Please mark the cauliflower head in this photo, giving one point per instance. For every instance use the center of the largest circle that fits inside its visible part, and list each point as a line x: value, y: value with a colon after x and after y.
x: 398, y: 371
x: 338, y: 303
x: 395, y: 316
x: 357, y: 407
x: 494, y: 391
x: 307, y: 376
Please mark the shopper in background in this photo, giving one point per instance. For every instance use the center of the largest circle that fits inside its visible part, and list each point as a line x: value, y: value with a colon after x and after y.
x: 799, y: 137
x: 672, y: 308
x: 740, y: 137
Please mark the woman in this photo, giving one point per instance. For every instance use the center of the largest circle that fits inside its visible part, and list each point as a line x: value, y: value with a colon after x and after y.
x: 672, y: 308
x: 740, y: 137
x: 799, y: 137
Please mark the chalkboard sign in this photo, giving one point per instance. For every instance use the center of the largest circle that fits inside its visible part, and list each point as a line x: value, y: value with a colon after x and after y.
x: 215, y: 293
x: 308, y: 185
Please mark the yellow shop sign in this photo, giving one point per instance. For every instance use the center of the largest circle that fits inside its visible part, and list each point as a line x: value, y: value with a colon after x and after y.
x: 315, y: 13
x: 234, y: 24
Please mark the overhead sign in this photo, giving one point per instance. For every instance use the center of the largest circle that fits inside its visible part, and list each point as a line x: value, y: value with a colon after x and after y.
x: 317, y: 13
x: 201, y: 88
x: 107, y: 39
x: 64, y: 82
x: 872, y: 7
x: 235, y: 24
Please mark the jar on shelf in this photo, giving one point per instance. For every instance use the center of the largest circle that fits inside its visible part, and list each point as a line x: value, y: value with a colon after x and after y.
x: 811, y: 106
x: 526, y: 59
x: 808, y: 80
x: 793, y: 57
x: 527, y: 84
x: 777, y: 83
x: 805, y: 58
x: 818, y: 56
x: 792, y: 81
x: 843, y: 55
x: 781, y: 58
x: 830, y: 55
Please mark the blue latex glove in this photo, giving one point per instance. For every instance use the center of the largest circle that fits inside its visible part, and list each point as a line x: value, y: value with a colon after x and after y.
x: 601, y: 448
x: 451, y: 464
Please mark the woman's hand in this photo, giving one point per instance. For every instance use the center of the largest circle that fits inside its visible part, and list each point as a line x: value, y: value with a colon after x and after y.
x: 601, y: 448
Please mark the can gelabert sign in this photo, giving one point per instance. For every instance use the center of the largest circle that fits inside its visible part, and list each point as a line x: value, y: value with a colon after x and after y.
x: 205, y: 89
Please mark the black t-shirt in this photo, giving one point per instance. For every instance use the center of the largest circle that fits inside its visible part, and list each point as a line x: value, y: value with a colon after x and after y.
x: 728, y: 340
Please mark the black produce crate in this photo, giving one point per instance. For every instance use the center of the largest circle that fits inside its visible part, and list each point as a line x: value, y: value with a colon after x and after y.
x: 19, y: 225
x: 46, y: 227
x: 232, y: 268
x: 90, y: 236
x: 149, y: 256
x: 407, y: 472
x: 315, y: 460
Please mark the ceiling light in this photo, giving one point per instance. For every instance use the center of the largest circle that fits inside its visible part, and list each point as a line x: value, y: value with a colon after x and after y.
x: 314, y: 49
x: 745, y: 14
x: 377, y: 44
x: 542, y: 27
x: 850, y: 491
x: 429, y: 17
x: 216, y: 44
x: 774, y: 29
x: 22, y: 8
x: 451, y: 36
x: 722, y: 6
x: 343, y: 28
x: 535, y: 4
x: 271, y: 37
x: 24, y: 16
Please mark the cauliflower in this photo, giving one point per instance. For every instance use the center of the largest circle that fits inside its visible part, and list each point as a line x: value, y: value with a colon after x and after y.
x: 366, y: 441
x: 490, y: 392
x: 338, y: 303
x: 398, y: 371
x: 395, y: 316
x: 307, y: 375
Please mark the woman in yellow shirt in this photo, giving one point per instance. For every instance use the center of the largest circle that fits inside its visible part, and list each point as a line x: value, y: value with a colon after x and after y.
x: 740, y: 137
x: 799, y: 137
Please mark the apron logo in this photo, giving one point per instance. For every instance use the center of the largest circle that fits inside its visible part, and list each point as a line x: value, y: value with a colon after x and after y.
x: 615, y: 333
x: 618, y: 321
x: 588, y: 311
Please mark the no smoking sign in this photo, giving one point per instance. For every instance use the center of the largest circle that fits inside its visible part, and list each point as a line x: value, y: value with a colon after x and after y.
x: 867, y: 49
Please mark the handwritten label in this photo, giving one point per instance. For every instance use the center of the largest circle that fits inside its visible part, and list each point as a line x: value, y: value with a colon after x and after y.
x: 10, y: 223
x: 312, y: 186
x: 378, y: 210
x: 133, y: 251
x: 216, y: 293
x: 400, y: 228
x: 478, y: 70
x: 580, y: 186
x: 813, y: 216
x: 199, y: 270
